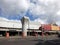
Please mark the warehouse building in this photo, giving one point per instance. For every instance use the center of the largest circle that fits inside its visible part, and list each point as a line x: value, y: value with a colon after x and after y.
x: 14, y: 28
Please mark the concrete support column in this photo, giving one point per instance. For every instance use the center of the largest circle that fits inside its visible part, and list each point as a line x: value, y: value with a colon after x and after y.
x: 18, y: 34
x: 24, y: 21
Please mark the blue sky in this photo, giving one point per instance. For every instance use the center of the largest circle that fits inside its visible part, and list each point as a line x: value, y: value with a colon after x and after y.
x: 44, y: 11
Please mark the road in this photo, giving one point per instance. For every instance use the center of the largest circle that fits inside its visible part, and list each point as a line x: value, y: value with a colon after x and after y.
x: 30, y: 41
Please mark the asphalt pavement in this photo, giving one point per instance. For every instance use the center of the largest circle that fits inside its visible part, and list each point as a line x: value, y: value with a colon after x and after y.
x: 50, y: 40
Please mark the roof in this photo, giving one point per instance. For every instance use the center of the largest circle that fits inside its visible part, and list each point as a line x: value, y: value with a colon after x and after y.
x: 10, y: 24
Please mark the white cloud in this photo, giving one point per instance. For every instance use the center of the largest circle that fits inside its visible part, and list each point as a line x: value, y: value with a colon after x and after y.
x: 5, y: 19
x: 58, y: 13
x: 47, y: 9
x: 14, y: 7
x: 58, y: 23
x: 36, y: 9
x: 24, y: 4
x: 41, y: 21
x: 43, y: 9
x: 44, y: 6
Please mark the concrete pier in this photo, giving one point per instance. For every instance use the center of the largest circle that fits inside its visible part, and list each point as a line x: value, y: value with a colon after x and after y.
x: 25, y: 21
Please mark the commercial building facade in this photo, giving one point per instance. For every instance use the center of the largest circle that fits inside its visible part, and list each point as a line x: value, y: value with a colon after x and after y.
x: 16, y: 28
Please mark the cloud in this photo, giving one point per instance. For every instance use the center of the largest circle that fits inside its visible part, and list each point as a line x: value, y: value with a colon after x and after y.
x: 36, y: 10
x: 58, y: 13
x: 5, y: 19
x: 13, y: 7
x: 58, y: 23
x: 48, y: 10
x: 41, y: 21
x: 45, y: 10
x: 44, y: 7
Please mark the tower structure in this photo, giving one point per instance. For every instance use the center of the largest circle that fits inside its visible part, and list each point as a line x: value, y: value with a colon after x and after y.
x: 25, y: 22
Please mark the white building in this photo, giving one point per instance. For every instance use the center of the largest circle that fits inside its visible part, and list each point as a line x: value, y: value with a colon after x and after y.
x: 17, y: 26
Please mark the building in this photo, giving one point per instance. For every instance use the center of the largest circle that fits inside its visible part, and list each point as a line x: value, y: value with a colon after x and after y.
x: 16, y: 28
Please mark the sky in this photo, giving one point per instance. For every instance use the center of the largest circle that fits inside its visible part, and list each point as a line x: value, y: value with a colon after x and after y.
x: 43, y: 11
